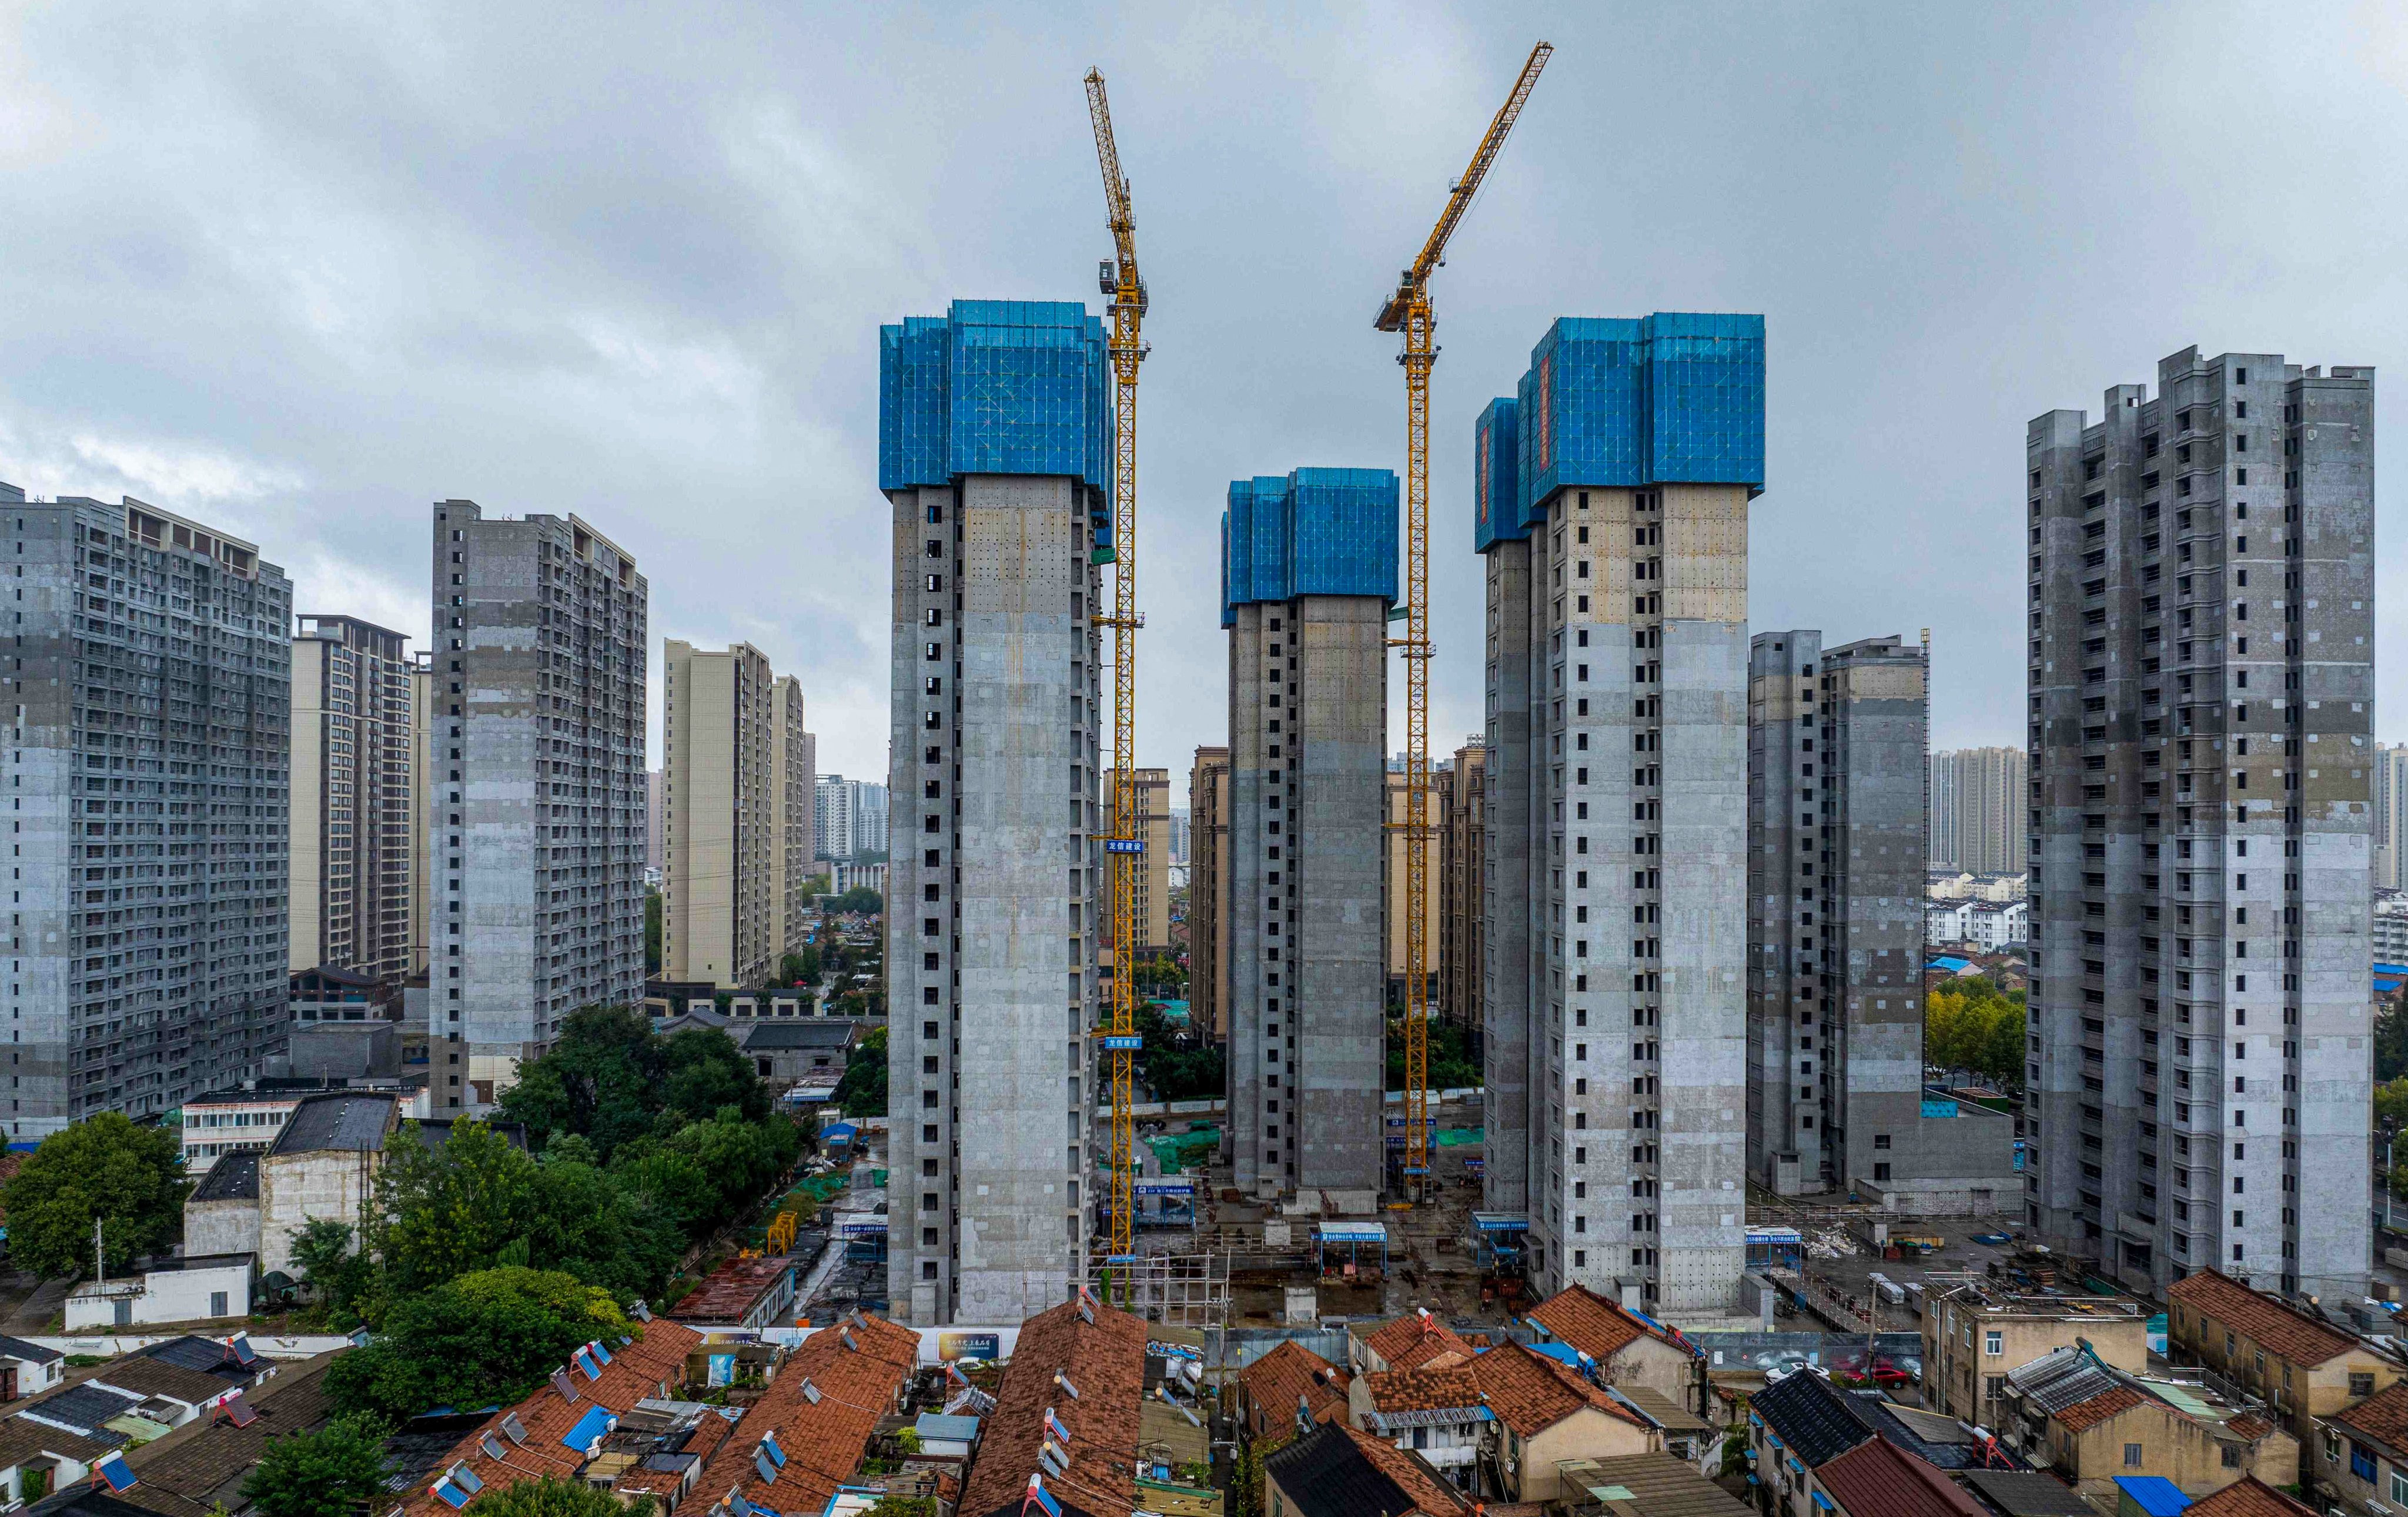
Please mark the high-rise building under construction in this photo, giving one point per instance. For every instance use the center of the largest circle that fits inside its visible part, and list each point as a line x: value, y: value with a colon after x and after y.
x: 1612, y: 503
x: 1308, y: 573
x: 995, y: 450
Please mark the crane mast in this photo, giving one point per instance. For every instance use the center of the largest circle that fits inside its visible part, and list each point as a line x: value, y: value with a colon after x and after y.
x: 1408, y: 312
x: 1118, y: 277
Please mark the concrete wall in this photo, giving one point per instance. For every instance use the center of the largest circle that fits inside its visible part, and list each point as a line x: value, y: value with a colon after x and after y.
x: 1506, y: 964
x: 167, y: 1296
x: 221, y: 1227
x: 298, y: 1189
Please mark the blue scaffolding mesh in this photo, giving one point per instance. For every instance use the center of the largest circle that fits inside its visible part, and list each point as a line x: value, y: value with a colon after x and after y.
x: 1315, y: 532
x: 994, y: 387
x: 1676, y: 397
x: 1496, y: 476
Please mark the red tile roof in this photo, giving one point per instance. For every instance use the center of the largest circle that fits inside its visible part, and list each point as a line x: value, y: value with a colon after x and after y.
x: 1417, y: 1339
x: 1274, y: 1382
x: 1530, y: 1393
x: 1105, y: 1361
x: 1437, y: 1389
x: 649, y: 1367
x: 1411, y: 1475
x: 2249, y: 1425
x: 2247, y: 1498
x: 2083, y: 1415
x: 2383, y: 1417
x: 823, y: 1441
x: 728, y: 1293
x: 1878, y: 1479
x: 2279, y: 1329
x: 1593, y: 1324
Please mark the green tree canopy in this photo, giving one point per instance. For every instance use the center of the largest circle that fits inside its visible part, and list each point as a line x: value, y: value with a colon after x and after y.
x: 484, y: 1338
x: 862, y: 1092
x: 451, y: 1210
x: 1969, y: 1024
x: 611, y: 1080
x: 860, y: 899
x: 128, y: 1176
x: 551, y: 1498
x: 802, y: 968
x: 340, y: 1467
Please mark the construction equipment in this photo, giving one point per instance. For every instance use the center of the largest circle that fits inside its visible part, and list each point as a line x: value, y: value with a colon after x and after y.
x: 1119, y: 279
x: 1408, y: 311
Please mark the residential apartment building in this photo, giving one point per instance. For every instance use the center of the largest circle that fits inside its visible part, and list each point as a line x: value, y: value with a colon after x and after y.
x: 1151, y: 869
x: 2093, y: 1424
x: 1990, y: 926
x: 2390, y: 816
x: 996, y: 455
x: 1207, y: 892
x: 1462, y: 869
x: 353, y: 700
x: 1977, y: 804
x: 1436, y: 819
x: 1612, y: 503
x: 149, y: 749
x: 1836, y: 1097
x: 422, y: 729
x: 793, y: 847
x: 832, y: 817
x: 1308, y: 573
x: 2300, y: 1364
x: 656, y: 816
x: 722, y: 909
x: 1976, y: 1332
x: 2388, y: 940
x: 536, y: 832
x: 2202, y: 697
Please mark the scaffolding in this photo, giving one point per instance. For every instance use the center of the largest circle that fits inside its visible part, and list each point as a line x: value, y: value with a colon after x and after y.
x: 1176, y: 1289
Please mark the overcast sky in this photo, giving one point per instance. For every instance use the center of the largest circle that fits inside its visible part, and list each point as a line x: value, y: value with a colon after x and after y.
x: 300, y: 271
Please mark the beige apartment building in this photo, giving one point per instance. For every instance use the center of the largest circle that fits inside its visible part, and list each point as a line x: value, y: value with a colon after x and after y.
x: 720, y: 912
x: 422, y: 724
x: 1975, y: 1335
x: 353, y: 762
x: 793, y: 754
x: 1398, y: 856
x: 1153, y: 865
x: 2301, y: 1365
x: 1207, y: 892
x: 1462, y: 872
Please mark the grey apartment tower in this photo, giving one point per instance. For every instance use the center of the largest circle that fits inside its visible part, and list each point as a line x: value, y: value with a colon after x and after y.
x: 1610, y: 500
x: 536, y: 791
x: 148, y: 660
x: 1308, y: 573
x: 995, y: 450
x: 353, y: 776
x: 1837, y: 741
x: 2202, y: 594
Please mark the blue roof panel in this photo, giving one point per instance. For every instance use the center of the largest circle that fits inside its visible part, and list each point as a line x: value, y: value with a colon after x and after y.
x: 994, y: 387
x: 1313, y: 532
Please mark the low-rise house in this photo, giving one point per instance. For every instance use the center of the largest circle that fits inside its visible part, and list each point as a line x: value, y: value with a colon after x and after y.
x: 1645, y: 1485
x: 1412, y: 1342
x: 1628, y: 1347
x: 2360, y: 1454
x: 1078, y: 1369
x: 1440, y: 1412
x: 2091, y: 1424
x: 56, y: 1458
x: 741, y: 1292
x: 2027, y: 1493
x: 198, y: 1288
x: 1271, y: 1390
x: 1795, y: 1426
x: 2300, y: 1364
x: 205, y: 1461
x: 1975, y: 1333
x: 2248, y: 1498
x: 1878, y: 1479
x: 219, y: 1123
x: 808, y: 1433
x: 1546, y: 1414
x: 27, y: 1368
x: 323, y: 1166
x: 804, y: 1050
x: 1341, y: 1471
x: 221, y: 1215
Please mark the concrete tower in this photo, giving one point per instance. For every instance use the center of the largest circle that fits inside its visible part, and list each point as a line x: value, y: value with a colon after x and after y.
x: 352, y: 767
x: 1308, y: 573
x: 722, y: 903
x: 1836, y: 777
x: 2201, y: 694
x: 1617, y: 680
x: 996, y: 453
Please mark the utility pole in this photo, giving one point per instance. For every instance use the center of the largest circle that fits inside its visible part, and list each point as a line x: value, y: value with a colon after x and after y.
x: 99, y: 1260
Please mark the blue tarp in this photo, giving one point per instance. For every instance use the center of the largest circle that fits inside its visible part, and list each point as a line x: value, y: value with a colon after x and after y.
x: 596, y: 1423
x: 2154, y: 1494
x: 839, y: 1132
x: 1675, y: 397
x: 994, y: 387
x: 1312, y: 532
x: 1496, y: 476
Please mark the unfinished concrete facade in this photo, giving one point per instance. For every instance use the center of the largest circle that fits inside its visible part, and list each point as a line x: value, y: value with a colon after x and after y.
x: 1308, y: 575
x: 536, y: 820
x: 995, y: 459
x: 1208, y: 892
x: 723, y: 918
x: 1462, y: 868
x: 2202, y: 593
x: 351, y: 786
x: 147, y: 761
x: 1837, y: 739
x: 794, y: 752
x: 1152, y: 871
x: 1639, y: 448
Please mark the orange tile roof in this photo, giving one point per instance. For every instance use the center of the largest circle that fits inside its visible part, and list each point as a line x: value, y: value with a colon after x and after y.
x: 1413, y: 1341
x: 823, y: 1441
x: 2383, y: 1417
x: 1411, y: 1475
x: 1105, y: 1359
x: 1878, y: 1479
x: 2280, y: 1329
x: 1593, y: 1324
x: 1439, y: 1388
x: 663, y: 1485
x: 1275, y: 1382
x: 2083, y: 1415
x: 727, y: 1293
x: 1530, y: 1393
x: 2247, y: 1498
x: 649, y: 1367
x: 2249, y: 1425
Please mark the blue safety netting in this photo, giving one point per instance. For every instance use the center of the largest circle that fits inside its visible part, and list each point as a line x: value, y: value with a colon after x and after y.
x: 1314, y: 532
x: 1676, y: 397
x: 994, y: 387
x: 1496, y: 476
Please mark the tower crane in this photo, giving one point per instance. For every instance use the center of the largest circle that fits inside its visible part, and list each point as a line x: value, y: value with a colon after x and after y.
x: 1408, y: 311
x: 1119, y: 279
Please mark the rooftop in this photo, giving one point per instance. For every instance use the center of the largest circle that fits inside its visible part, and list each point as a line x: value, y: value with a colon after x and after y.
x: 1413, y: 1341
x: 2280, y: 1329
x: 1803, y: 1411
x: 1651, y: 1485
x: 2248, y: 1498
x: 2023, y: 1493
x: 1878, y: 1479
x: 1597, y: 1327
x: 1289, y: 1372
x: 821, y: 1405
x: 234, y: 1178
x: 1097, y: 1352
x: 729, y: 1293
x: 1341, y: 1472
x: 1420, y: 1397
x: 201, y: 1460
x: 353, y: 1122
x: 1530, y: 1393
x: 2381, y: 1418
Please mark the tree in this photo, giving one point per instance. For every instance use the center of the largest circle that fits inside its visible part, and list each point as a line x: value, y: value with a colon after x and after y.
x: 862, y: 1092
x: 859, y: 901
x: 333, y: 1274
x: 552, y: 1498
x: 707, y: 1073
x: 451, y: 1211
x: 1450, y: 1056
x: 801, y: 968
x: 602, y: 1077
x: 129, y: 1177
x: 339, y: 1468
x: 652, y: 932
x: 2391, y: 1037
x: 485, y: 1337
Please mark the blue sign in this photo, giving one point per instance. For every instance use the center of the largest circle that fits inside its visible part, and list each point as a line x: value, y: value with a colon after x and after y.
x: 1165, y: 1187
x: 1116, y: 1042
x: 1939, y: 1109
x: 1123, y: 845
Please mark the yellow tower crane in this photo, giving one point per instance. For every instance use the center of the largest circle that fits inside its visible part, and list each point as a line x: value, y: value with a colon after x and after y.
x: 1118, y: 277
x: 1408, y: 311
